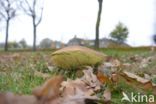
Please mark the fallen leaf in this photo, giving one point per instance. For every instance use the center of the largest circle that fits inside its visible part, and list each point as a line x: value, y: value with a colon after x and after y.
x: 138, y: 81
x: 133, y: 76
x: 71, y: 88
x: 107, y: 95
x: 114, y: 77
x: 90, y: 79
x: 10, y: 98
x: 102, y: 78
x: 50, y: 89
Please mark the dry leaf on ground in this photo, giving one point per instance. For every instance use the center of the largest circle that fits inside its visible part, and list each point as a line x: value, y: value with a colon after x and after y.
x: 107, y: 95
x: 138, y: 81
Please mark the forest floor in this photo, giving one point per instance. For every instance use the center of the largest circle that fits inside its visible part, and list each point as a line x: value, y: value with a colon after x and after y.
x: 20, y: 72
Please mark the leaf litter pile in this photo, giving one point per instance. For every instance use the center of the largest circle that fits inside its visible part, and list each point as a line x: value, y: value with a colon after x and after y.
x: 100, y: 79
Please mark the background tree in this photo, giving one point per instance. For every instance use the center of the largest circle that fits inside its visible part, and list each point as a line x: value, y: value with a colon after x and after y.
x: 23, y: 43
x: 8, y: 10
x: 34, y: 9
x: 120, y: 33
x: 154, y: 38
x: 13, y: 45
x: 98, y: 24
x: 46, y: 43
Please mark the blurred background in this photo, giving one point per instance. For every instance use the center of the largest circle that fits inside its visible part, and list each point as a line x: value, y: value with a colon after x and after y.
x: 59, y: 23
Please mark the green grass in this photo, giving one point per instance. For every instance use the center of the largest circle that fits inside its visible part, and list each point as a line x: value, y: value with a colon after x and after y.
x: 17, y: 69
x: 123, y: 87
x: 19, y: 82
x: 120, y: 52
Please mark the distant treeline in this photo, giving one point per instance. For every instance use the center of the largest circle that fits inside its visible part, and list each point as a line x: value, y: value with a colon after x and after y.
x: 141, y: 48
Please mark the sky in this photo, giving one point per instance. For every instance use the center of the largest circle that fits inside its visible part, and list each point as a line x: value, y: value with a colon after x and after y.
x: 63, y: 19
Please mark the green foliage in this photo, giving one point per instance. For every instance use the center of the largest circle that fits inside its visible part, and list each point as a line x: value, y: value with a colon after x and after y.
x: 125, y: 51
x: 19, y: 81
x: 120, y: 33
x: 115, y: 44
x: 23, y: 43
x: 46, y: 43
x: 13, y: 44
x: 17, y: 71
x: 154, y: 80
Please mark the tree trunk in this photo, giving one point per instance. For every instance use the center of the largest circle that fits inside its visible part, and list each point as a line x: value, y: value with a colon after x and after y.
x: 34, y: 33
x: 98, y: 24
x: 7, y: 34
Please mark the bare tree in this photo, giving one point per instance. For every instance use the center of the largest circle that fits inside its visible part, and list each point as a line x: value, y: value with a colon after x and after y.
x: 8, y: 9
x: 34, y: 9
x: 98, y: 24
